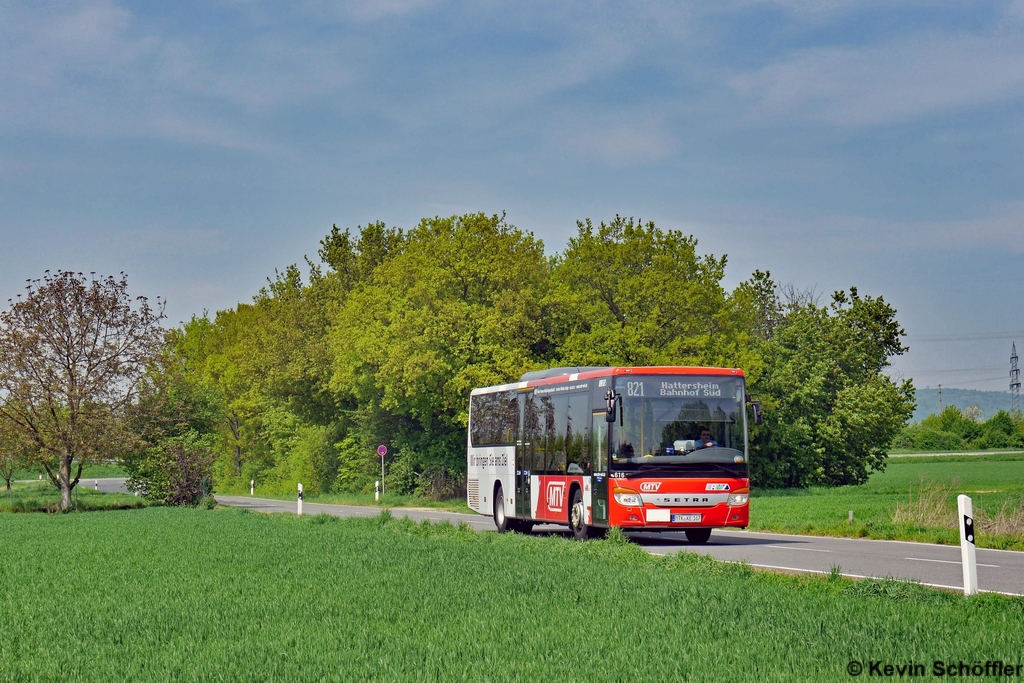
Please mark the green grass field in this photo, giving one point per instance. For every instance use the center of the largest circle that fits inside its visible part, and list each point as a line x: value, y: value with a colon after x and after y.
x: 990, y: 480
x: 35, y: 496
x: 176, y: 594
x: 388, y: 500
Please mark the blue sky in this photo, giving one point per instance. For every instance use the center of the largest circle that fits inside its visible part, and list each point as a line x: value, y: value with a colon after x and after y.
x: 199, y: 145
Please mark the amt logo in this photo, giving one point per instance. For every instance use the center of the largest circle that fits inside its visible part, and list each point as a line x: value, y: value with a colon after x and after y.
x: 556, y: 493
x: 650, y: 486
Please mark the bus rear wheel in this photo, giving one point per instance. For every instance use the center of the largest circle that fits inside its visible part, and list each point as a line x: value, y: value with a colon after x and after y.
x: 697, y: 536
x: 500, y: 519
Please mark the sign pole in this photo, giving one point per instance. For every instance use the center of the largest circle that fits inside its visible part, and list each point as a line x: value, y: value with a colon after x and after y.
x: 382, y: 450
x: 967, y: 544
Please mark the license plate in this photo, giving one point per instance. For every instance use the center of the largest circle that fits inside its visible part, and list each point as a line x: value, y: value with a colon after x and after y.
x: 686, y: 518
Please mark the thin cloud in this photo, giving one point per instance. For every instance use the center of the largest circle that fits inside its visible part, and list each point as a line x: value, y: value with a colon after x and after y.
x: 997, y: 228
x: 88, y: 70
x: 887, y: 83
x: 620, y: 141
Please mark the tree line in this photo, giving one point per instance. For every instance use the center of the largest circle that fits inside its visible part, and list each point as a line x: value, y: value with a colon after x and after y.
x: 959, y: 430
x: 381, y: 337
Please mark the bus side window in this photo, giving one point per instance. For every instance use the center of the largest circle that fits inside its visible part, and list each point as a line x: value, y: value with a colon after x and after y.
x: 578, y: 441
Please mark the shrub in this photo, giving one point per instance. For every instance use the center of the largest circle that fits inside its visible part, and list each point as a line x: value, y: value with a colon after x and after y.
x: 177, y: 471
x: 919, y: 437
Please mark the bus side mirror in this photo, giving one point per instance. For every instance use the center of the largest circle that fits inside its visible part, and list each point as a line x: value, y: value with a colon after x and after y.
x: 609, y: 406
x: 755, y: 408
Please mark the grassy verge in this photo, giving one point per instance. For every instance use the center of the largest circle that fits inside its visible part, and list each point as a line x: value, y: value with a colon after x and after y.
x: 911, y: 451
x: 914, y: 500
x: 43, y: 497
x: 224, y: 595
x: 93, y: 471
x: 389, y: 500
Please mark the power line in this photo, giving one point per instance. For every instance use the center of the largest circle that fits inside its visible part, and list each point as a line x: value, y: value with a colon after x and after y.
x: 952, y: 370
x: 981, y: 336
x: 976, y: 381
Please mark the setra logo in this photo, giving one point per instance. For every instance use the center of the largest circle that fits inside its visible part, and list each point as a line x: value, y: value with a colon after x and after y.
x: 556, y: 493
x: 650, y: 486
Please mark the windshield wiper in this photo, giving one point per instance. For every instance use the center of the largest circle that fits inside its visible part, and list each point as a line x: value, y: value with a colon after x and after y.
x: 658, y: 469
x: 650, y: 471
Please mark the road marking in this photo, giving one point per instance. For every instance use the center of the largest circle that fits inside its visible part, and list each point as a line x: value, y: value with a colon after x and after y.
x: 861, y: 576
x: 925, y: 559
x: 790, y: 547
x: 804, y: 537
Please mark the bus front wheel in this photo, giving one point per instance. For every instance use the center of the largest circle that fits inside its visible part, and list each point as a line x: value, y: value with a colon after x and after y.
x: 697, y: 536
x: 578, y: 517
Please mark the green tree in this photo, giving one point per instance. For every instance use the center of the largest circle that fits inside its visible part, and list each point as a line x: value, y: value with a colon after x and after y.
x: 14, y: 450
x: 1001, y: 430
x: 270, y: 364
x: 459, y: 307
x: 632, y: 294
x: 175, y: 420
x: 830, y: 411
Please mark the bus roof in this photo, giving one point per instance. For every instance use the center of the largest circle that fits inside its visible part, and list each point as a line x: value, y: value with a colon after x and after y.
x: 593, y: 373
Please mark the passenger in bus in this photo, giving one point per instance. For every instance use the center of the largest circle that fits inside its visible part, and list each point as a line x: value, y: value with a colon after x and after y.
x: 705, y: 440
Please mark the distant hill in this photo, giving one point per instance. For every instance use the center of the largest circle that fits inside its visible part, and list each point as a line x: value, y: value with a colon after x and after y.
x: 990, y: 402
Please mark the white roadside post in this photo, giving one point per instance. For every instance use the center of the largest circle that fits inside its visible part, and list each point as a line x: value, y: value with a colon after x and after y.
x: 300, y: 500
x: 97, y: 483
x: 376, y: 490
x: 967, y: 544
x: 252, y: 487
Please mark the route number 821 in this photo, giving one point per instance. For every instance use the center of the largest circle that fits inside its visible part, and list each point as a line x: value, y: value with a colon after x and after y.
x: 634, y: 388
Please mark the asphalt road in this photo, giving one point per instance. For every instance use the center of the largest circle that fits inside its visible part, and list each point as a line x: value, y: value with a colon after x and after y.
x: 110, y: 485
x: 935, y: 565
x: 478, y: 522
x: 105, y: 485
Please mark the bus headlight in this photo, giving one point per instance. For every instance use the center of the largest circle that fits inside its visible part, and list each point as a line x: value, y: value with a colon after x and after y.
x: 628, y: 497
x: 739, y: 497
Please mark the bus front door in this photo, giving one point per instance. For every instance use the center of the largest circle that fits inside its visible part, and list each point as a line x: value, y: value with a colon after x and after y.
x: 523, y: 458
x: 599, y: 470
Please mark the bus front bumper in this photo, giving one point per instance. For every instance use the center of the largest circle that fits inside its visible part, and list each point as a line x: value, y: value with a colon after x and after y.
x: 664, y: 519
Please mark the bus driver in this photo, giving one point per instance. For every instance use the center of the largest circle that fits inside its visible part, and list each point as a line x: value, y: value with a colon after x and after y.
x: 705, y: 440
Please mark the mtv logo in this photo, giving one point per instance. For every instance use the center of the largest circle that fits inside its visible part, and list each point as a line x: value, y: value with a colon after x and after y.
x: 650, y: 486
x: 556, y: 495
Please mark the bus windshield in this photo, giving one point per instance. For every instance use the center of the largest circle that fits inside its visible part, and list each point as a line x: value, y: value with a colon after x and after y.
x: 681, y: 425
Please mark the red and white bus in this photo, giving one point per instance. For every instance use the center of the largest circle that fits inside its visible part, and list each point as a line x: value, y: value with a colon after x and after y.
x: 642, y: 448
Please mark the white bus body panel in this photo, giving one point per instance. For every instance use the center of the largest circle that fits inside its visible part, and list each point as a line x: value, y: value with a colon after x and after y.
x: 484, y: 467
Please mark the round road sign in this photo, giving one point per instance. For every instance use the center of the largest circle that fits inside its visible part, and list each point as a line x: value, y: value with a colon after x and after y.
x: 382, y: 450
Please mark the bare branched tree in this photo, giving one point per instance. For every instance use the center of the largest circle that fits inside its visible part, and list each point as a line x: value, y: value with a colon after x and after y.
x: 794, y: 298
x: 72, y: 351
